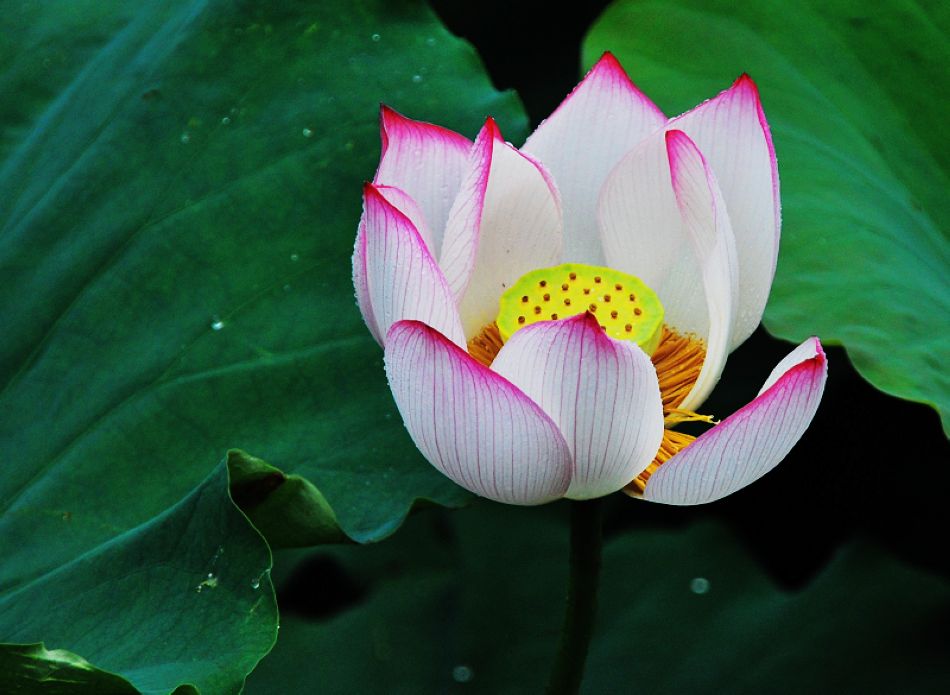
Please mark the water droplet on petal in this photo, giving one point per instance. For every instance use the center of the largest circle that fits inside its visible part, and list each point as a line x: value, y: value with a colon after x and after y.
x: 699, y: 585
x: 430, y: 41
x: 375, y: 37
x: 307, y: 133
x: 294, y: 257
x: 185, y: 138
x: 416, y: 79
x: 226, y: 120
x: 216, y: 324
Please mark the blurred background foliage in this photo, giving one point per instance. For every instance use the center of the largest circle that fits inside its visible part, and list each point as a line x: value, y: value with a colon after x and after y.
x: 179, y: 188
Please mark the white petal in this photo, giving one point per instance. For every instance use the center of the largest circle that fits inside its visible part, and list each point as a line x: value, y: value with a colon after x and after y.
x: 602, y: 393
x: 396, y: 276
x: 663, y: 220
x: 644, y: 234
x: 505, y: 222
x: 734, y: 136
x: 752, y: 441
x: 427, y: 162
x: 403, y: 202
x: 599, y: 122
x: 472, y: 424
x: 704, y: 216
x: 361, y: 283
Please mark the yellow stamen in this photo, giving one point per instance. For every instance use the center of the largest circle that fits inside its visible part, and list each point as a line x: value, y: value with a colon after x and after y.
x: 485, y: 346
x: 633, y: 310
x: 678, y: 361
x: 675, y: 416
x: 672, y: 444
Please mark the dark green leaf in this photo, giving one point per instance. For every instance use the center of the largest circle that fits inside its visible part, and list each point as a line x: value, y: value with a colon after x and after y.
x: 184, y: 599
x: 287, y: 509
x: 476, y: 606
x: 180, y: 195
x: 852, y: 92
x: 31, y: 668
x: 179, y: 191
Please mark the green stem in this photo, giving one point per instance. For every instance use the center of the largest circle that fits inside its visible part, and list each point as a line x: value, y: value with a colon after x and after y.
x: 586, y: 543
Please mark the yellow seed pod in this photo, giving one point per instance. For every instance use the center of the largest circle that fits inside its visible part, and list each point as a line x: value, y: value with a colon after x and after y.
x: 625, y: 307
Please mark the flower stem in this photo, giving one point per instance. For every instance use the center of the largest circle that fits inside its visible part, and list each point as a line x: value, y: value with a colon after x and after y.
x: 586, y: 543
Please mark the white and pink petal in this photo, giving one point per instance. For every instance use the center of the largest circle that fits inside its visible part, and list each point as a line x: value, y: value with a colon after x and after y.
x: 751, y: 442
x: 425, y: 161
x: 602, y: 394
x: 473, y: 424
x: 643, y: 234
x: 704, y: 216
x: 505, y: 222
x: 663, y: 220
x: 407, y: 205
x: 734, y: 136
x: 583, y: 139
x: 394, y: 274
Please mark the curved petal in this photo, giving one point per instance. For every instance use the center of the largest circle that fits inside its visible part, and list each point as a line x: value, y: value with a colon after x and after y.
x: 704, y: 216
x: 643, y: 234
x: 663, y: 219
x: 427, y: 162
x: 505, y: 222
x: 599, y: 122
x: 361, y: 283
x: 602, y: 393
x: 752, y: 441
x: 403, y: 202
x: 394, y: 274
x: 472, y: 424
x: 734, y: 136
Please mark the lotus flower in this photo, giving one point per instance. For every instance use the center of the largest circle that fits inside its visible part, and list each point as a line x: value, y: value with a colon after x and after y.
x: 550, y: 314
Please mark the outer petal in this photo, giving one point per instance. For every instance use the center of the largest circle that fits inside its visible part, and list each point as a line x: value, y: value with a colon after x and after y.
x: 427, y: 162
x: 704, y: 216
x: 599, y: 122
x: 472, y: 424
x: 505, y: 222
x: 733, y: 134
x: 602, y: 393
x: 394, y: 274
x: 752, y: 441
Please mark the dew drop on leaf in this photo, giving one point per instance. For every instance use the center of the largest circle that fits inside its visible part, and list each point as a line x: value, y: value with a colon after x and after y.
x: 462, y: 674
